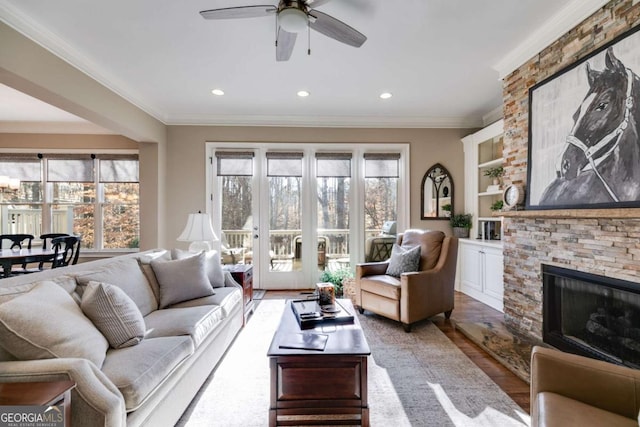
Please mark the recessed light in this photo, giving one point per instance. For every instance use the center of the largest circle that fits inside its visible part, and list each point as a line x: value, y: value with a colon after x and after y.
x: 386, y: 95
x: 303, y: 93
x: 218, y: 92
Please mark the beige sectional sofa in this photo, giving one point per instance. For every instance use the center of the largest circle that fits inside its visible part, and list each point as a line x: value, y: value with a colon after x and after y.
x: 46, y: 333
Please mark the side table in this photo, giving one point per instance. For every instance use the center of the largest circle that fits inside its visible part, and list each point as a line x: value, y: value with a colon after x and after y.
x: 243, y: 274
x: 39, y: 393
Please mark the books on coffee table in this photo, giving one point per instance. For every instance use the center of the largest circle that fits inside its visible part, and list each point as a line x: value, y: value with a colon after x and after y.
x: 304, y: 341
x: 309, y: 314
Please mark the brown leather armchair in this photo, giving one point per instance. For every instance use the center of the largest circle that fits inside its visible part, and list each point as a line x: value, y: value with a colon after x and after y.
x: 569, y: 390
x: 413, y: 296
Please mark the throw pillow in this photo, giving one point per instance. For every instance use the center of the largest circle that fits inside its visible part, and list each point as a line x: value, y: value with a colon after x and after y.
x: 128, y: 276
x: 46, y: 323
x: 403, y: 260
x: 114, y: 314
x: 182, y: 279
x: 213, y: 265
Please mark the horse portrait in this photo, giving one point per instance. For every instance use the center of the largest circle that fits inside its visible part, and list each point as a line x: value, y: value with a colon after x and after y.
x: 596, y: 160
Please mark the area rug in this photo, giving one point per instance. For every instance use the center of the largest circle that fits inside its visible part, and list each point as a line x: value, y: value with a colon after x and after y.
x: 415, y: 379
x: 511, y: 351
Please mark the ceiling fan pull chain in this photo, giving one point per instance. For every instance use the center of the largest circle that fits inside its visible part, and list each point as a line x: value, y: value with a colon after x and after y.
x: 308, y: 38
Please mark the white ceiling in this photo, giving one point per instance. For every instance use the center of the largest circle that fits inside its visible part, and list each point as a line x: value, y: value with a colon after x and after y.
x: 441, y: 59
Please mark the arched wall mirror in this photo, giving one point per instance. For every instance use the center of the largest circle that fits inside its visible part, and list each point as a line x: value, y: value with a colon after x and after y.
x: 437, y: 193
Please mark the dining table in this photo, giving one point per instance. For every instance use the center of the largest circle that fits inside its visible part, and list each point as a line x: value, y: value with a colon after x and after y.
x: 11, y: 257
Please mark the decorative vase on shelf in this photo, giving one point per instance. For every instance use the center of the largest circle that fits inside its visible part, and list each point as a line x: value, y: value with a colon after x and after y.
x: 495, y: 181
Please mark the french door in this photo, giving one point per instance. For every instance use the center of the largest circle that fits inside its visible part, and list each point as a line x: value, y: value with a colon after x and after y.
x: 292, y: 213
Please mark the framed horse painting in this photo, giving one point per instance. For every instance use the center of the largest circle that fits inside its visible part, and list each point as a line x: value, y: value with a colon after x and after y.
x: 584, y: 127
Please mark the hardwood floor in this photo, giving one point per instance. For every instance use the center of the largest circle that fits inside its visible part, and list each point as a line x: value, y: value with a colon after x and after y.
x: 468, y: 310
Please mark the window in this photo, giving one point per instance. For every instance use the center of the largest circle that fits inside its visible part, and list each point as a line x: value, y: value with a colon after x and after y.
x: 96, y: 197
x: 382, y: 172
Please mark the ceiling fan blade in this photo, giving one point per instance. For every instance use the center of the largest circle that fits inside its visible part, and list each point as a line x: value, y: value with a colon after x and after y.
x: 284, y: 44
x: 316, y: 3
x: 336, y: 29
x: 239, y: 12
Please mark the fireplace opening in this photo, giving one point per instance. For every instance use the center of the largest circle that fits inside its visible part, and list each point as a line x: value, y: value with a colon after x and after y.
x: 591, y: 315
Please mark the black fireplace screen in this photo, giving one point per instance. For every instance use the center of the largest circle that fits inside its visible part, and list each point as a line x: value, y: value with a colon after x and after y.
x: 592, y: 315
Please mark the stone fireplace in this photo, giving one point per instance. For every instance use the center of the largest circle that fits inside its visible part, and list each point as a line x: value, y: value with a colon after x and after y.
x: 591, y: 315
x: 602, y: 242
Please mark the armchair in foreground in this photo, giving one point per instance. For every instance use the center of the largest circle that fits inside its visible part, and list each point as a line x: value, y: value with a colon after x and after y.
x: 416, y: 295
x: 570, y: 390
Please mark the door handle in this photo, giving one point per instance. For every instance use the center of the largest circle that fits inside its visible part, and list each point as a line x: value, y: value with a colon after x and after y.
x: 255, y: 236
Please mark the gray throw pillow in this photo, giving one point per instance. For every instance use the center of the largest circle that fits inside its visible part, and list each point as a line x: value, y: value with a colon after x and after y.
x: 182, y: 279
x: 403, y: 260
x: 46, y: 323
x: 212, y: 265
x: 114, y: 314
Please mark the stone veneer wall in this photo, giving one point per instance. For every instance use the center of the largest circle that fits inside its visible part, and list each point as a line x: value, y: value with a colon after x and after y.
x: 601, y: 246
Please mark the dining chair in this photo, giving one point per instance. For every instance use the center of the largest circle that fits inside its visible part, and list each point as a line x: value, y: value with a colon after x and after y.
x: 17, y: 242
x: 66, y: 251
x: 48, y: 236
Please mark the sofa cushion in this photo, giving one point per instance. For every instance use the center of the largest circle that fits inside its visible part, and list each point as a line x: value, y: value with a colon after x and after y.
x: 430, y: 243
x: 197, y: 322
x: 114, y: 314
x: 403, y: 260
x: 556, y: 410
x: 182, y: 279
x: 212, y: 265
x: 137, y: 371
x: 46, y: 323
x: 227, y: 298
x: 127, y: 275
x: 384, y: 285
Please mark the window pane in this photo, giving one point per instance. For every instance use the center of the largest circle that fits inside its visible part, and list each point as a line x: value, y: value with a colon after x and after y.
x: 75, y: 219
x: 70, y: 170
x: 121, y: 216
x: 74, y: 192
x: 237, y: 221
x: 21, y: 219
x: 118, y: 170
x: 285, y: 206
x: 333, y: 220
x: 120, y: 226
x: 29, y: 192
x: 381, y: 203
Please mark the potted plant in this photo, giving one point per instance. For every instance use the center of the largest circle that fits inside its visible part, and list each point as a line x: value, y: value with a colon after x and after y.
x: 495, y: 173
x: 447, y: 208
x: 497, y: 205
x: 461, y: 224
x: 336, y: 277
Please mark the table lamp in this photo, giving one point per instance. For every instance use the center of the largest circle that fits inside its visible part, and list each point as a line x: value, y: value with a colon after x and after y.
x: 199, y: 232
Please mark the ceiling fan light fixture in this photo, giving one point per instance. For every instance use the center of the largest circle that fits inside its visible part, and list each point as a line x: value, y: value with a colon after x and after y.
x: 293, y: 20
x: 217, y: 92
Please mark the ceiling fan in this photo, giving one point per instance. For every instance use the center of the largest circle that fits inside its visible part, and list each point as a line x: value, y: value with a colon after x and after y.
x: 292, y: 17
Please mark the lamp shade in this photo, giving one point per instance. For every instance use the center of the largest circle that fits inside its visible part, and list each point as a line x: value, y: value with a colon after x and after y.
x: 198, y: 229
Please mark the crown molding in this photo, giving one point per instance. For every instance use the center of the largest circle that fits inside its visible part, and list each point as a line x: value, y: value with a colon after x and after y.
x: 328, y: 121
x: 567, y: 18
x: 50, y: 41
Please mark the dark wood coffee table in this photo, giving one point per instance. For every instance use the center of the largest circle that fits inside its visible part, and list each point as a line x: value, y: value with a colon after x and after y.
x: 327, y: 387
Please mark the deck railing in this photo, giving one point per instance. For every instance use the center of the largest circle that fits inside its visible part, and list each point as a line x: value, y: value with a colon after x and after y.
x: 16, y: 220
x: 283, y: 241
